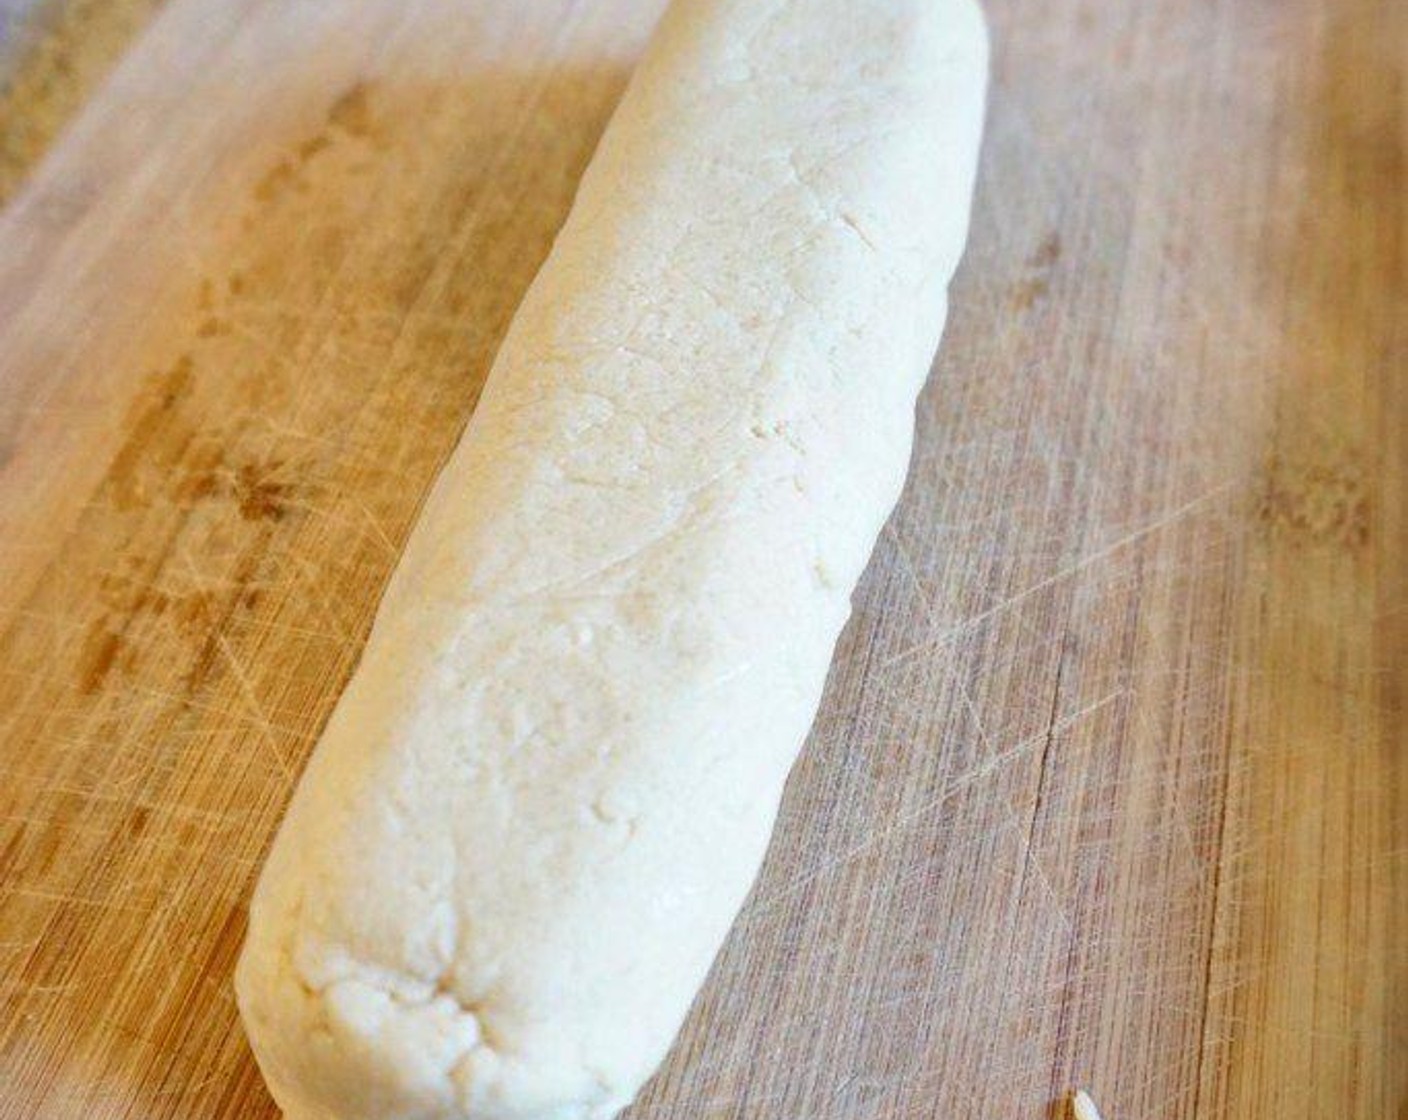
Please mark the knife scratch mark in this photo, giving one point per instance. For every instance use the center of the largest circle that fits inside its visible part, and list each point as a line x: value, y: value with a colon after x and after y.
x: 1074, y: 568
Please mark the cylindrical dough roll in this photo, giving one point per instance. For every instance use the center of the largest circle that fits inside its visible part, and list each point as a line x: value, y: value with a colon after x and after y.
x: 548, y: 787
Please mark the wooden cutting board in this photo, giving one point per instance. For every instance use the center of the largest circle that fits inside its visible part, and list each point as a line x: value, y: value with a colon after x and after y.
x: 1110, y: 786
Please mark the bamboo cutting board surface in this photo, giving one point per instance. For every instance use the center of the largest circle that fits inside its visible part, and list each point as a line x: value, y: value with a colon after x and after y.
x: 1110, y: 786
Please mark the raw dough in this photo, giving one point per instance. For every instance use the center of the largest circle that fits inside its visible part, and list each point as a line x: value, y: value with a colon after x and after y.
x: 547, y: 789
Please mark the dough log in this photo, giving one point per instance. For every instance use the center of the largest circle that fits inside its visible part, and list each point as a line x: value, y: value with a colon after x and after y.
x: 548, y: 787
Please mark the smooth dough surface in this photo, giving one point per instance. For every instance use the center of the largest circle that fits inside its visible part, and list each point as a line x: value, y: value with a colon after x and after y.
x: 550, y: 783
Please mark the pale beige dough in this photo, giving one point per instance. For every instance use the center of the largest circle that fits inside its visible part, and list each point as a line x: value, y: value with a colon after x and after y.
x: 547, y: 789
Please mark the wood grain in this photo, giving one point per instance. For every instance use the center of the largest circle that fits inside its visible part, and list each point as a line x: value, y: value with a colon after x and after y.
x: 53, y: 56
x: 1110, y: 786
